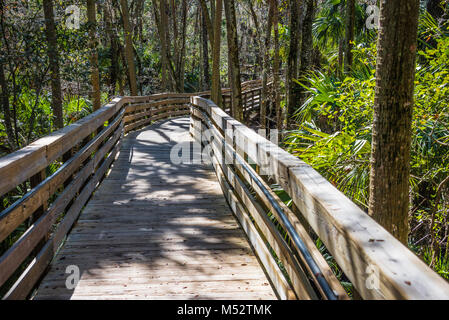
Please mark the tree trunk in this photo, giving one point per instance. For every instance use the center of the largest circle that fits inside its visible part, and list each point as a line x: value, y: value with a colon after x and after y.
x: 307, y: 38
x: 234, y: 63
x: 266, y: 69
x: 208, y: 21
x: 276, y: 62
x: 53, y: 57
x: 258, y: 38
x: 216, y: 90
x: 176, y: 52
x: 183, y: 43
x: 113, y: 49
x: 206, y: 71
x: 180, y: 62
x: 350, y: 24
x: 306, y: 50
x: 393, y: 107
x: 341, y: 42
x: 129, y: 52
x: 6, y: 110
x: 167, y: 62
x: 292, y: 64
x: 95, y: 75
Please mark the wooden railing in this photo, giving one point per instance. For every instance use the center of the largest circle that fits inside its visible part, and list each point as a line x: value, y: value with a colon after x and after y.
x: 143, y: 110
x: 82, y: 153
x: 377, y: 264
x: 44, y: 186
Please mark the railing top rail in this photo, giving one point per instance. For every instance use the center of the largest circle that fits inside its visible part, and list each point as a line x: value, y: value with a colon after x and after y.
x: 53, y: 177
x: 29, y: 160
x: 247, y: 85
x: 18, y: 166
x: 378, y: 265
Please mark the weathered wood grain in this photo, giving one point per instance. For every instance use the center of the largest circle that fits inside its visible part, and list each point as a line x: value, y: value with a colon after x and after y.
x: 14, y: 215
x: 225, y: 152
x: 35, y: 269
x: 299, y: 279
x: 15, y: 255
x: 16, y: 167
x: 177, y: 238
x: 358, y: 244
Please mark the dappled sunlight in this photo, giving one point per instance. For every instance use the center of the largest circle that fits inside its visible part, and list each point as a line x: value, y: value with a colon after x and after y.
x: 154, y: 229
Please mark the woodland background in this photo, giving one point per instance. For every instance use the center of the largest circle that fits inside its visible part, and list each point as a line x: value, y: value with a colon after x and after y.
x: 318, y: 55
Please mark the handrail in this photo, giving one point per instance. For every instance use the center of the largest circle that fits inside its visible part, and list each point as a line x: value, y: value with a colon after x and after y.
x: 82, y: 154
x: 83, y: 151
x: 377, y: 264
x: 299, y: 243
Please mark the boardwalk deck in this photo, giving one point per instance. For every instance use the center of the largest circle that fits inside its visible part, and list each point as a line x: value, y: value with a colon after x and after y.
x: 154, y: 230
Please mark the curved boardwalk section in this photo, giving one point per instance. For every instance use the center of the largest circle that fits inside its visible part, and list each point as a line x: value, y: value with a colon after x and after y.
x: 155, y: 230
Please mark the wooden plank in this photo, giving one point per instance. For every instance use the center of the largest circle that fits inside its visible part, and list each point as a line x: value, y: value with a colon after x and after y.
x: 14, y: 215
x: 299, y: 279
x: 355, y: 240
x: 241, y: 191
x: 18, y: 166
x: 156, y: 104
x: 142, y: 296
x: 183, y: 288
x: 150, y: 109
x: 155, y: 118
x: 15, y: 255
x: 282, y: 288
x: 155, y: 112
x: 275, y: 274
x: 33, y: 272
x: 198, y: 239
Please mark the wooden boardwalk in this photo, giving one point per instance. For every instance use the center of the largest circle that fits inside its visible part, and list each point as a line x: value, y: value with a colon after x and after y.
x: 154, y: 230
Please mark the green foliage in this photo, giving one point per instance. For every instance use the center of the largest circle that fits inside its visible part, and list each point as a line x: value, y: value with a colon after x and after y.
x: 334, y: 136
x: 328, y: 26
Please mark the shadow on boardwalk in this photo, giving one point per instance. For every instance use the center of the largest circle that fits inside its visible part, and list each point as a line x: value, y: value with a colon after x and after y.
x: 155, y: 230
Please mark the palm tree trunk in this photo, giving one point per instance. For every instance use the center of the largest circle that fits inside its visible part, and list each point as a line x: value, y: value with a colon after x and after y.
x: 393, y: 107
x: 205, y: 64
x: 276, y: 62
x: 306, y: 47
x: 182, y: 61
x: 113, y: 49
